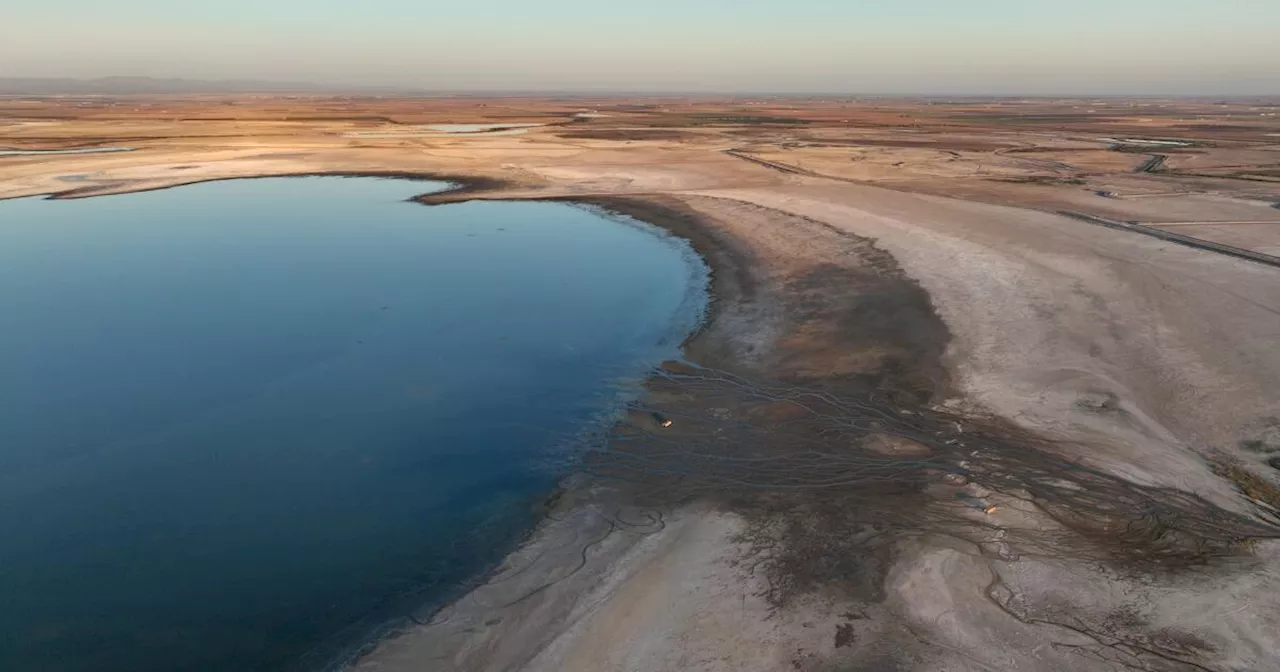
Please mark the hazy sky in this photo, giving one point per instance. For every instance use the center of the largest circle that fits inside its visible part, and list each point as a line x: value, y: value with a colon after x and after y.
x: 855, y: 46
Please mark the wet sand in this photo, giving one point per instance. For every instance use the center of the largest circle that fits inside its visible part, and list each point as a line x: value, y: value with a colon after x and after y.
x: 917, y: 433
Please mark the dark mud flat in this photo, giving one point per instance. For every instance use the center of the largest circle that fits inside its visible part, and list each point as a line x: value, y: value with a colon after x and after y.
x: 813, y: 422
x: 809, y: 406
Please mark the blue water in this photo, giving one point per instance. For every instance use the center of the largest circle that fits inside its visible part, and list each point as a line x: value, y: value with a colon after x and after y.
x: 240, y: 422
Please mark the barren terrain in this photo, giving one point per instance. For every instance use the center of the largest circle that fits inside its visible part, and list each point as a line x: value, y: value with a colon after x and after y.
x: 987, y: 384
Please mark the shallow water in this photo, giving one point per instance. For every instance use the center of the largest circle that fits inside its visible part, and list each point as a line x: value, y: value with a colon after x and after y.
x: 43, y: 152
x: 242, y: 422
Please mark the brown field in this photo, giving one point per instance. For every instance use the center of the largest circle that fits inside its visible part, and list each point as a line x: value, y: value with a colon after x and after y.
x: 987, y: 384
x: 1052, y: 155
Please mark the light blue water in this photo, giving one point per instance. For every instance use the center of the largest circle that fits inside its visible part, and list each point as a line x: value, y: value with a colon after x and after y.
x: 240, y: 421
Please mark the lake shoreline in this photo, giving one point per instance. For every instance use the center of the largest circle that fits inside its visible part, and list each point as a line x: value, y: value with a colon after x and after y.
x: 465, y: 184
x: 572, y: 509
x: 569, y: 509
x: 600, y: 540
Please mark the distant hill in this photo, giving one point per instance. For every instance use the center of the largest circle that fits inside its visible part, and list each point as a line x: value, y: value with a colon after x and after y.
x: 43, y: 86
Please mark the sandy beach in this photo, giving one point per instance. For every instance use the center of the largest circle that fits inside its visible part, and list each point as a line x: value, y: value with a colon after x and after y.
x: 931, y: 423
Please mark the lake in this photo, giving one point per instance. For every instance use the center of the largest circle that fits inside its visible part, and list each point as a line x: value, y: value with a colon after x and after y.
x: 244, y: 422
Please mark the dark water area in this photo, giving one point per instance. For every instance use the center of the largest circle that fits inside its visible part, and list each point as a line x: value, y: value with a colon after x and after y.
x: 242, y: 422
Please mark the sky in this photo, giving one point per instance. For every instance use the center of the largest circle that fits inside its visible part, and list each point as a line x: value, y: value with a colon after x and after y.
x: 1176, y: 47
